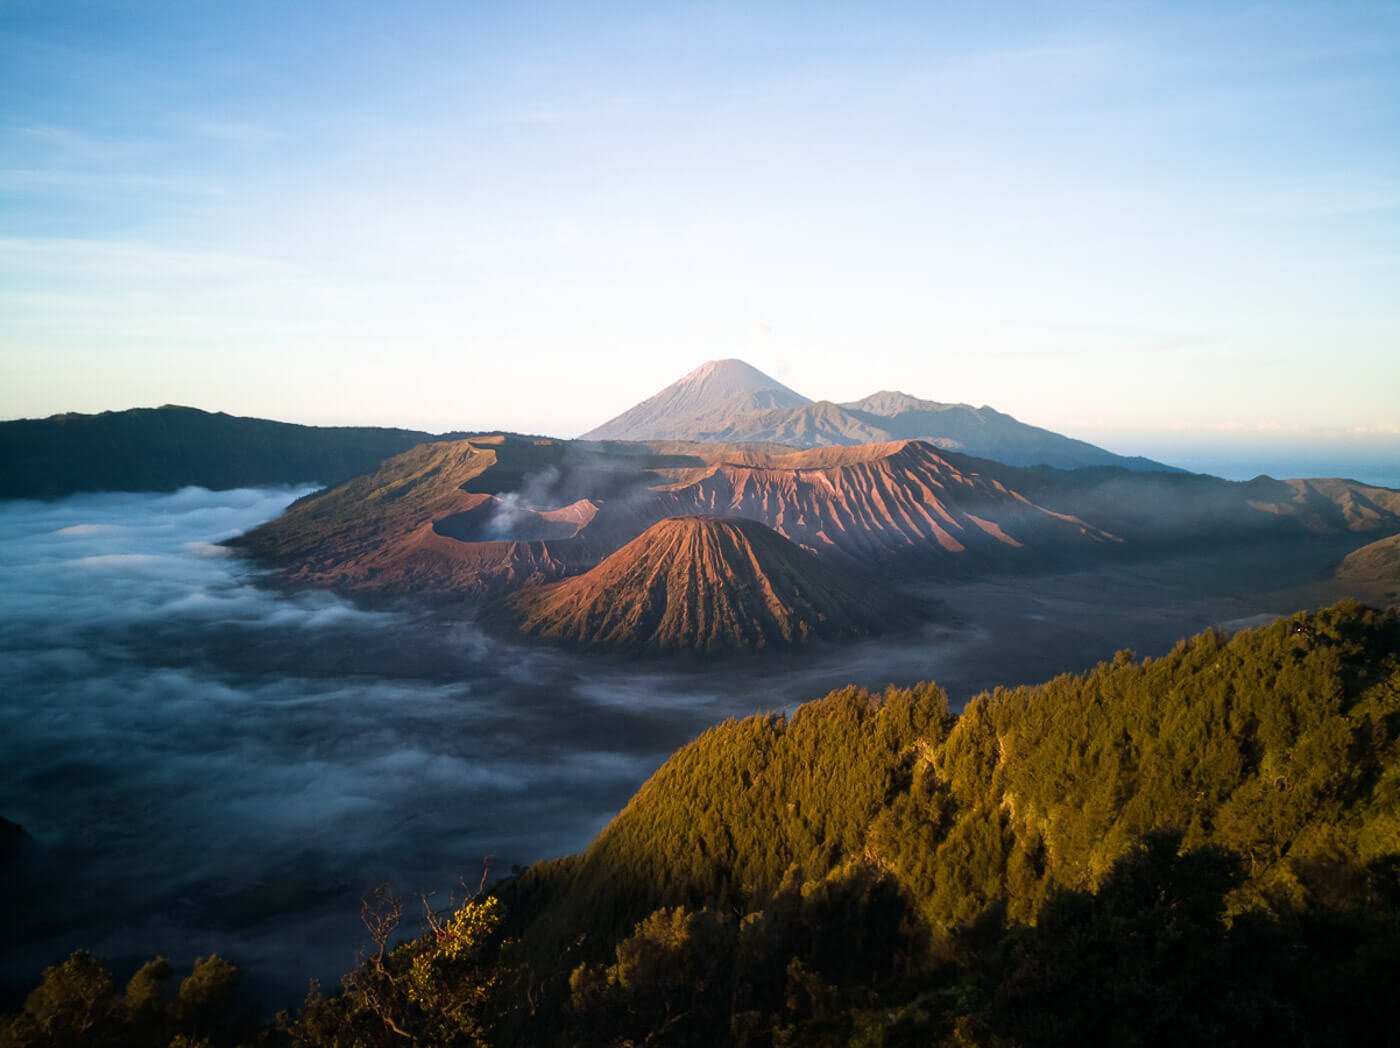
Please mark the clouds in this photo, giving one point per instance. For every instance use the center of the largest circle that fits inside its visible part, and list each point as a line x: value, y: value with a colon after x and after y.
x: 123, y: 560
x: 175, y: 735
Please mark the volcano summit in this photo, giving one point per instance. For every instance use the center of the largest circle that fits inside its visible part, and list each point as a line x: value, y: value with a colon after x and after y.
x: 706, y: 584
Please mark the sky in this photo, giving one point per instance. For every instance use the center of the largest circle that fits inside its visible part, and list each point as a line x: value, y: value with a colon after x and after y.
x: 1161, y: 227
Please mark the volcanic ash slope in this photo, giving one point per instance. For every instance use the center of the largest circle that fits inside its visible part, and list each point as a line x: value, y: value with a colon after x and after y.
x: 708, y: 585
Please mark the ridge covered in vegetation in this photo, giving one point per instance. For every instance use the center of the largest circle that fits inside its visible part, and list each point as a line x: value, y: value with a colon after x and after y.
x: 1198, y: 848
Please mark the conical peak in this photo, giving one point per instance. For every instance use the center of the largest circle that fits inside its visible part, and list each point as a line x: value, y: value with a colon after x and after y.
x: 729, y: 376
x: 704, y: 584
x: 734, y: 369
x: 704, y: 522
x: 682, y: 536
x: 703, y: 400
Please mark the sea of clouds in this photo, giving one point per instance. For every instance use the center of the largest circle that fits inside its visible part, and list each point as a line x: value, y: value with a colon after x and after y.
x: 205, y: 762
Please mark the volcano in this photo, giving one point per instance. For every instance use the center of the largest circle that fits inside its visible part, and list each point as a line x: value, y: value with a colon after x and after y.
x: 703, y: 401
x: 729, y: 401
x: 877, y: 502
x: 486, y: 516
x: 706, y: 585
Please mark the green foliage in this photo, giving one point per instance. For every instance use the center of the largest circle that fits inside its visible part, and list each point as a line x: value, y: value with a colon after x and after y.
x: 1144, y: 960
x: 77, y: 1004
x: 1272, y: 744
x: 437, y: 989
x: 147, y: 996
x: 722, y: 821
x: 206, y: 1002
x: 73, y: 1005
x: 800, y: 971
x: 668, y: 984
x: 1279, y: 747
x: 1149, y: 960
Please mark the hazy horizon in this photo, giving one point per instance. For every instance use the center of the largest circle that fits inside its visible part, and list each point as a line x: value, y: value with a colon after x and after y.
x: 1228, y: 452
x: 1176, y: 221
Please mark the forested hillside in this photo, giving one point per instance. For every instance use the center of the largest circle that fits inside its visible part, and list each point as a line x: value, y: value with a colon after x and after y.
x: 1202, y: 848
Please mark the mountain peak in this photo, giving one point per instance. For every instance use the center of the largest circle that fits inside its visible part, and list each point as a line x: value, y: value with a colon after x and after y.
x: 715, y: 391
x: 732, y: 369
x: 729, y: 377
x: 889, y: 402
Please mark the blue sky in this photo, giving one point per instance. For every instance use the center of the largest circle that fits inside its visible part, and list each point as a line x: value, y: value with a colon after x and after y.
x: 1154, y: 226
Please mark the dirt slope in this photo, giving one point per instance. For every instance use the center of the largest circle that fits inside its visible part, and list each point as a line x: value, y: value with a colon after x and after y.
x: 705, y: 584
x: 1375, y: 564
x: 874, y: 501
x: 400, y: 529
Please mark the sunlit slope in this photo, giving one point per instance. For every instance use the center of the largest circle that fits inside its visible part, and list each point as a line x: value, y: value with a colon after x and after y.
x: 383, y: 530
x: 492, y: 513
x: 1327, y: 503
x: 706, y: 584
x: 487, y: 515
x: 1281, y: 744
x: 875, y: 501
x: 1377, y: 563
x: 702, y: 400
x: 984, y: 432
x: 1199, y: 510
x: 807, y: 426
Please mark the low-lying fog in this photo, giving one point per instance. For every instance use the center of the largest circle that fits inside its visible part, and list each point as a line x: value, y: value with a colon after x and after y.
x: 208, y: 764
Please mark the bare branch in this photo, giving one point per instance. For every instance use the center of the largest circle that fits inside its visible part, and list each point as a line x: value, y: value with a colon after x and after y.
x: 381, y: 911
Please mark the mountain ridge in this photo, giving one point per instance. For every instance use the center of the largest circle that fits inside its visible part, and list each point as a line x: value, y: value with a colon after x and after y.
x: 730, y: 401
x: 170, y: 447
x: 485, y: 516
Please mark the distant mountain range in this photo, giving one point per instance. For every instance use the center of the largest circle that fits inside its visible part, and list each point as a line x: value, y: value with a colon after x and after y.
x: 729, y: 401
x: 162, y: 449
